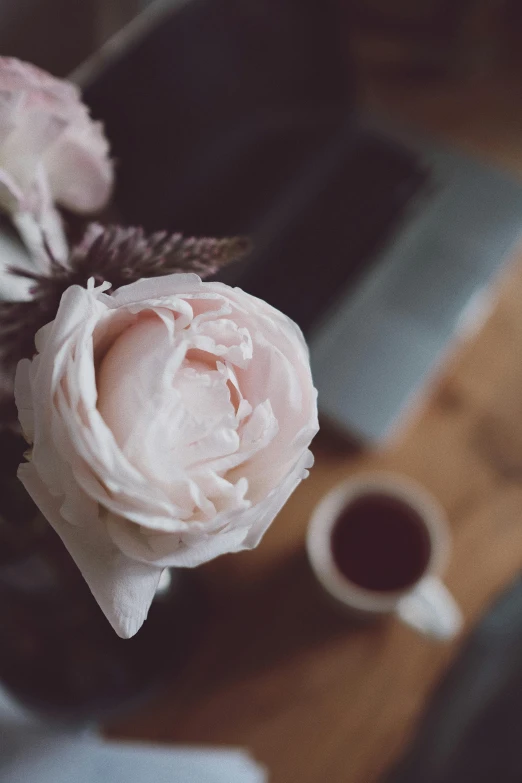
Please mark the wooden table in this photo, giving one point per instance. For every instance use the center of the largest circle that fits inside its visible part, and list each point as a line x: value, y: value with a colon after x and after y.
x: 277, y: 671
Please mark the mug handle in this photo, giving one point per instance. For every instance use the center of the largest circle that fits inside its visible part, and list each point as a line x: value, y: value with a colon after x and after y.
x: 431, y: 609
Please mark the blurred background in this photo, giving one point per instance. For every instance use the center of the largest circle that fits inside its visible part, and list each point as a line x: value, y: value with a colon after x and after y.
x: 373, y: 151
x: 58, y: 36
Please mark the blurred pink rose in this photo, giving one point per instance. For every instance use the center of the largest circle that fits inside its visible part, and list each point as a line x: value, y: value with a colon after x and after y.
x: 170, y: 422
x: 50, y: 152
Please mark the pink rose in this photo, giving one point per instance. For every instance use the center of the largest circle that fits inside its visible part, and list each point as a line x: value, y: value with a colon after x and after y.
x: 50, y: 152
x: 170, y: 422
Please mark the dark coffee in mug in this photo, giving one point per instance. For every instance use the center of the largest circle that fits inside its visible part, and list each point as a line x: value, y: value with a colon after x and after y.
x: 380, y: 543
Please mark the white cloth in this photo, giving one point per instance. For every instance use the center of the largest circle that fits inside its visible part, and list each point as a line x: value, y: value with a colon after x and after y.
x: 30, y: 752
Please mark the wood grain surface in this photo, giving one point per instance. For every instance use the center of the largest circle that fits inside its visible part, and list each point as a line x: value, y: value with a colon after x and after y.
x: 278, y: 670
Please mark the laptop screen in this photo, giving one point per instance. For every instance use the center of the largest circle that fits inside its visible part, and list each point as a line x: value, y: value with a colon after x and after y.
x: 213, y: 113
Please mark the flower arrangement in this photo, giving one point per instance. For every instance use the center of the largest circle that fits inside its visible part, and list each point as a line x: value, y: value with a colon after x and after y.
x: 168, y: 417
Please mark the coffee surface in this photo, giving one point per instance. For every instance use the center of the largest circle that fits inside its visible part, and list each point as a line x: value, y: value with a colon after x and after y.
x: 380, y: 543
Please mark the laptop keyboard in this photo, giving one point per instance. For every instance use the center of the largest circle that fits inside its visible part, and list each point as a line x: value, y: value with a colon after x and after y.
x: 335, y: 239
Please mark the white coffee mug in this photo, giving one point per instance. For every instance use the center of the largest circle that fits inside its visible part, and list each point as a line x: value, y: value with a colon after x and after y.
x: 425, y: 605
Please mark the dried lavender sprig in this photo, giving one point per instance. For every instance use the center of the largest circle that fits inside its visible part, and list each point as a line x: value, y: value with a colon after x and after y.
x: 117, y: 254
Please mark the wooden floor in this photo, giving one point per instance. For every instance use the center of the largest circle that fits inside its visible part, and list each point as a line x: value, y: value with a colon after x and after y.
x: 311, y: 697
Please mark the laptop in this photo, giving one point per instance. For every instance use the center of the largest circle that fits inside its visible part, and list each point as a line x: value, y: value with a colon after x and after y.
x: 230, y: 117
